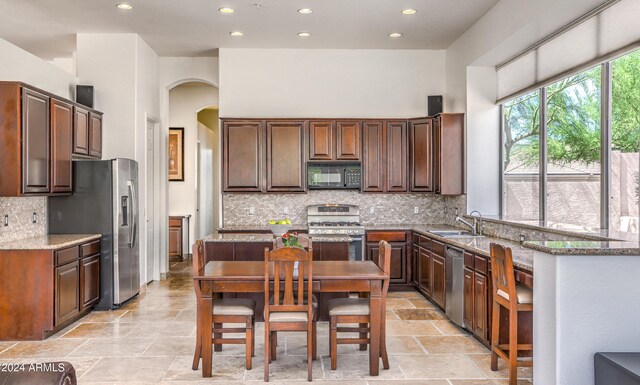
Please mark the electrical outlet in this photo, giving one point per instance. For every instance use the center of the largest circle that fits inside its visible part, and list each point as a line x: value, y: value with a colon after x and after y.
x: 416, y: 210
x: 34, y: 218
x: 285, y: 210
x: 372, y: 210
x: 252, y: 210
x: 521, y: 237
x: 6, y: 220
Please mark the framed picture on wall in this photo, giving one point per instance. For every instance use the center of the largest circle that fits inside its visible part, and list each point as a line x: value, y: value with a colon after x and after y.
x: 176, y: 154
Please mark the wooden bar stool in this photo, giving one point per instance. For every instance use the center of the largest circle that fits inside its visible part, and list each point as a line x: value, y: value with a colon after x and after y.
x: 515, y: 298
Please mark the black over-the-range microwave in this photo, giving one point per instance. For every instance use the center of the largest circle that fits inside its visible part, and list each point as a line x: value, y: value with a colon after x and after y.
x: 334, y: 176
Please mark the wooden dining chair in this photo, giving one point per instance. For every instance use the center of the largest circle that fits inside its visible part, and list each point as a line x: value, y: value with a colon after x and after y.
x: 306, y: 242
x: 356, y: 310
x: 225, y: 311
x: 289, y: 311
x: 515, y: 298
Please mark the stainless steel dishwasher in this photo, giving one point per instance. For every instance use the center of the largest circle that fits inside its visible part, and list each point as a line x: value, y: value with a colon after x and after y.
x: 454, y: 302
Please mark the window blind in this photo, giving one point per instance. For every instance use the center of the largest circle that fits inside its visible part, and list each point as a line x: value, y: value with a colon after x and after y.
x: 605, y: 34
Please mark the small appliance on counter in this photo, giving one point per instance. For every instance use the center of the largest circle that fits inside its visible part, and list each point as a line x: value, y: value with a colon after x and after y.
x: 336, y: 219
x: 105, y: 201
x: 334, y: 176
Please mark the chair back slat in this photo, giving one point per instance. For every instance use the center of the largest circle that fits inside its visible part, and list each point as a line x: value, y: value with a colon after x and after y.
x: 290, y: 296
x: 384, y: 262
x: 502, y: 273
x: 197, y: 264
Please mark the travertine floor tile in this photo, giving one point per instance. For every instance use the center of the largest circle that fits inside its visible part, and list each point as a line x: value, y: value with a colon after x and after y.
x: 357, y: 367
x: 285, y: 368
x: 408, y: 382
x: 404, y: 294
x: 175, y: 346
x: 121, y: 369
x: 399, y: 303
x: 488, y: 382
x: 39, y: 349
x: 441, y: 366
x: 100, y: 330
x: 112, y: 347
x: 164, y: 329
x: 136, y: 316
x: 104, y: 316
x: 451, y: 344
x: 483, y: 361
x: 449, y: 328
x: 422, y: 303
x: 224, y: 368
x: 411, y: 328
x: 403, y: 345
x: 419, y: 314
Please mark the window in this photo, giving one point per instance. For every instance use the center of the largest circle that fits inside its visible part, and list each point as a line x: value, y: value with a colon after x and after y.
x: 521, y: 158
x: 625, y: 145
x: 573, y: 150
x: 568, y: 189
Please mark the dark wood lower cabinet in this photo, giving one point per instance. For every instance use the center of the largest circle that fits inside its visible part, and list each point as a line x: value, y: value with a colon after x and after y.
x: 67, y: 292
x: 480, y: 303
x: 425, y: 272
x: 438, y: 279
x: 468, y: 298
x: 90, y: 281
x: 400, y: 257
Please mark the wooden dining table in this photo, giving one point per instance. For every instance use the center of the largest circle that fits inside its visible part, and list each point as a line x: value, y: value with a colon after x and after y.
x: 218, y: 277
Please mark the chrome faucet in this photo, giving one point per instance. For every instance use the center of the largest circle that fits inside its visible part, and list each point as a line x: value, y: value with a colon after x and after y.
x: 480, y: 225
x: 473, y: 227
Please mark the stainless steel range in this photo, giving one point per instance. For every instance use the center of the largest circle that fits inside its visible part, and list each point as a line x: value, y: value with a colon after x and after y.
x: 336, y: 219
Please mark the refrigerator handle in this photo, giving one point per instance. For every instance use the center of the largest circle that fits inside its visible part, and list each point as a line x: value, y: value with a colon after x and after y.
x: 132, y: 213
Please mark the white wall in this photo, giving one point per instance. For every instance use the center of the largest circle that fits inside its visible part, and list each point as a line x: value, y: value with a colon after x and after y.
x: 207, y: 138
x: 124, y: 72
x: 482, y: 141
x: 175, y: 71
x: 17, y: 64
x: 184, y: 104
x: 328, y: 83
x: 108, y: 63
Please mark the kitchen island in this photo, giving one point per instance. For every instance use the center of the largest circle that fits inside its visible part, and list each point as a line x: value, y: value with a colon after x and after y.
x: 587, y: 300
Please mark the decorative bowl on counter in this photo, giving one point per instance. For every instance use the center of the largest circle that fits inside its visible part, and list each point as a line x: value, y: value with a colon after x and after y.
x: 279, y: 230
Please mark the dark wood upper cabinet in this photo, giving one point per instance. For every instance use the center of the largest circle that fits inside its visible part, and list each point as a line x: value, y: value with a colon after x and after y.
x: 373, y: 156
x: 242, y: 155
x: 348, y: 139
x: 449, y: 154
x: 35, y: 142
x: 285, y: 156
x: 421, y: 155
x: 61, y: 146
x: 95, y: 134
x: 321, y: 140
x: 396, y: 156
x: 80, y: 131
x: 384, y: 156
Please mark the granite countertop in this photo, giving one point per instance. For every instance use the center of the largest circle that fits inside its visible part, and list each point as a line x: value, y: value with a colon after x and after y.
x: 586, y: 247
x: 260, y: 227
x: 258, y: 237
x: 48, y: 242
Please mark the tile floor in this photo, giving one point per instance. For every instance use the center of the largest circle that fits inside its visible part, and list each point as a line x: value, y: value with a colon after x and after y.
x: 151, y: 341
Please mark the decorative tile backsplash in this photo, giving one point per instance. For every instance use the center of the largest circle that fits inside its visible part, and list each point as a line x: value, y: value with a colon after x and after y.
x: 387, y: 208
x: 20, y: 214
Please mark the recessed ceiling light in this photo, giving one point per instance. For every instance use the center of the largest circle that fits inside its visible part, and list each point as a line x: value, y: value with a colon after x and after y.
x: 304, y: 11
x: 124, y: 6
x: 395, y: 34
x: 409, y: 11
x: 304, y: 34
x: 236, y: 33
x: 226, y: 10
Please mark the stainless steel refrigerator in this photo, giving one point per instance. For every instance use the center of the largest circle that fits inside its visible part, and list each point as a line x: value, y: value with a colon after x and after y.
x: 105, y: 201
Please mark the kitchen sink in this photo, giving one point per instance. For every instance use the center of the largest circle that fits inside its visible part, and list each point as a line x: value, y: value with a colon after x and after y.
x: 454, y: 234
